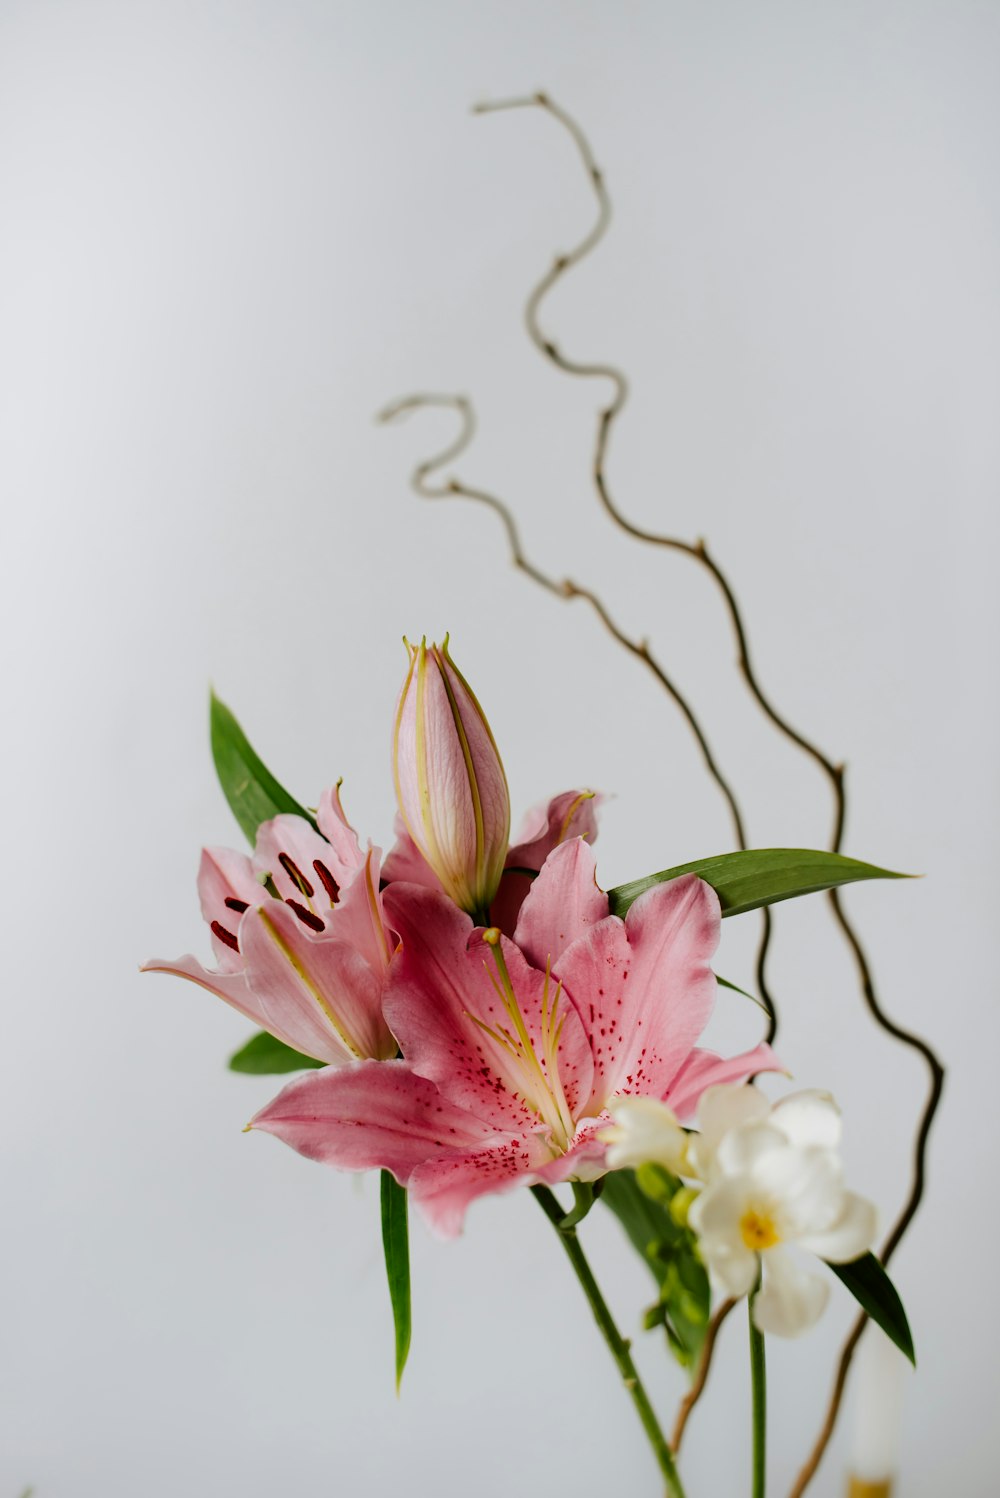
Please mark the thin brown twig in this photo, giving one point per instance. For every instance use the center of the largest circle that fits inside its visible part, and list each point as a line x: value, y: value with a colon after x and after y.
x: 696, y: 1390
x: 565, y: 588
x: 834, y: 772
x: 560, y: 265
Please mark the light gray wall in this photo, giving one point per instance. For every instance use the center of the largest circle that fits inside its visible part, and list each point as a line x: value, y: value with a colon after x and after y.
x: 230, y: 233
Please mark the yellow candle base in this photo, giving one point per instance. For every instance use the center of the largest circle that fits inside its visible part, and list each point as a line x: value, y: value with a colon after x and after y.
x: 859, y: 1489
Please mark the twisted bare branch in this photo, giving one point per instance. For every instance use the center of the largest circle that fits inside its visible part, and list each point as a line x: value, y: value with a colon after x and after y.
x: 565, y: 588
x: 696, y: 1390
x: 834, y: 772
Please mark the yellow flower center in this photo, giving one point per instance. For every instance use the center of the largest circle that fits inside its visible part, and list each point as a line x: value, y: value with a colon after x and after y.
x: 758, y: 1230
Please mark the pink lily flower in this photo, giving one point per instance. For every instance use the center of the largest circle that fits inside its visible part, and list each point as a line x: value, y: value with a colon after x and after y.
x: 514, y: 1049
x: 307, y: 957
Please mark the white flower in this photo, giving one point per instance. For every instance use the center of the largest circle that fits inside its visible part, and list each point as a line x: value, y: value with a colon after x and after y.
x: 774, y: 1178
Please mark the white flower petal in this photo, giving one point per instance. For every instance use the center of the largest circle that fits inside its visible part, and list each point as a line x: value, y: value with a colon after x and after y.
x: 731, y: 1264
x: 851, y: 1235
x: 720, y: 1109
x: 645, y: 1131
x: 791, y: 1300
x: 716, y: 1212
x: 808, y: 1118
x: 802, y: 1187
x: 740, y: 1150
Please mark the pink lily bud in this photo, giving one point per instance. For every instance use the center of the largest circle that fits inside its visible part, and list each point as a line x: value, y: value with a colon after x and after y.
x: 450, y: 782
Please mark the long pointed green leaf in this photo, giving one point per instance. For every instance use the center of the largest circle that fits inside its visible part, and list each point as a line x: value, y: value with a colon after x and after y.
x: 734, y: 988
x: 875, y: 1293
x: 253, y: 793
x: 760, y: 876
x: 265, y: 1056
x: 396, y: 1243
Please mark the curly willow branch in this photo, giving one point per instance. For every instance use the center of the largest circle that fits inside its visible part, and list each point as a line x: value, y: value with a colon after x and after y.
x: 834, y: 772
x: 565, y: 588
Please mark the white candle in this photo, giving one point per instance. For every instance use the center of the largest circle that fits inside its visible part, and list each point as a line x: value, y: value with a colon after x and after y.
x: 880, y: 1372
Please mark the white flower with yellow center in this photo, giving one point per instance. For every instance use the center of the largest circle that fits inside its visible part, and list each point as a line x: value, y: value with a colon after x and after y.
x: 772, y: 1178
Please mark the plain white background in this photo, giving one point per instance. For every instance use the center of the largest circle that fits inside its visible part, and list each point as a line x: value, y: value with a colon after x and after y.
x: 231, y: 232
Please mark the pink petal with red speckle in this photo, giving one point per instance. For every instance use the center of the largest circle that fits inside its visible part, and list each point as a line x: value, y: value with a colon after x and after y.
x: 444, y: 1188
x: 441, y: 1000
x: 644, y: 988
x: 704, y: 1069
x: 374, y: 1114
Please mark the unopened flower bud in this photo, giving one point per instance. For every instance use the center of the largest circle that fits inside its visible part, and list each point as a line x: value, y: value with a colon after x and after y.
x: 450, y: 782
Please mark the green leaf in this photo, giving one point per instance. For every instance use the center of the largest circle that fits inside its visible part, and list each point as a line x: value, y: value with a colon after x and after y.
x: 875, y: 1293
x: 264, y: 1056
x: 253, y: 793
x: 760, y: 876
x: 641, y: 1202
x: 396, y: 1243
x: 733, y: 988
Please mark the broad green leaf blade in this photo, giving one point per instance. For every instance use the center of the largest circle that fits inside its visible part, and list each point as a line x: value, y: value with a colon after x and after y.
x: 396, y: 1243
x: 253, y: 793
x: 875, y: 1293
x: 760, y: 876
x: 264, y: 1056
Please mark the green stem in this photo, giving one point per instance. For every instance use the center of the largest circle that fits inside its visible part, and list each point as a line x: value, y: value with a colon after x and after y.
x: 618, y: 1345
x: 758, y: 1380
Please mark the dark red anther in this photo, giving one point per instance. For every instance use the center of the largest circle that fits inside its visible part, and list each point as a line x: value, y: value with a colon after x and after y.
x: 296, y: 875
x: 238, y: 905
x: 327, y: 880
x: 306, y: 916
x: 226, y: 936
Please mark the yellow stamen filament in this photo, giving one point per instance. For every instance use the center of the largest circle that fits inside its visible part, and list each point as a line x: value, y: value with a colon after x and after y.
x: 758, y: 1230
x: 349, y: 1044
x: 541, y: 1085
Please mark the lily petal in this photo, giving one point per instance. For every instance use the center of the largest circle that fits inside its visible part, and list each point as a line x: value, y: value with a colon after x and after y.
x: 673, y: 931
x: 225, y: 875
x: 345, y: 853
x: 444, y: 1188
x: 563, y: 904
x: 236, y: 991
x: 566, y: 816
x: 374, y: 1114
x: 644, y: 989
x: 405, y: 864
x: 705, y: 1069
x: 314, y: 990
x: 359, y: 918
